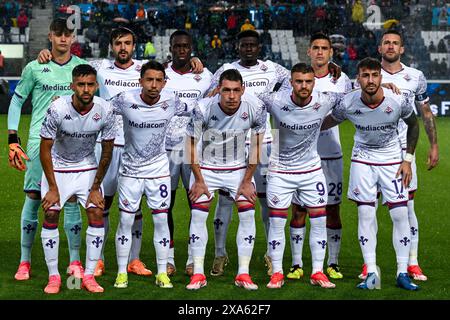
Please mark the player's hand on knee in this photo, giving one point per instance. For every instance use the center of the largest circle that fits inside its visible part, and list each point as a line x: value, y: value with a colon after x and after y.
x: 405, y: 172
x: 196, y: 65
x: 50, y: 199
x: 44, y: 56
x: 197, y: 190
x: 17, y: 155
x: 247, y: 189
x: 96, y: 198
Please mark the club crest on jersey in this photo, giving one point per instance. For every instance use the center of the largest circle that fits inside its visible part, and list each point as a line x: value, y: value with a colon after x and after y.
x: 333, y: 80
x: 316, y: 106
x: 388, y: 110
x: 275, y: 200
x: 197, y: 78
x: 264, y: 67
x: 244, y: 116
x: 407, y: 77
x: 138, y: 67
x: 96, y: 117
x: 164, y: 106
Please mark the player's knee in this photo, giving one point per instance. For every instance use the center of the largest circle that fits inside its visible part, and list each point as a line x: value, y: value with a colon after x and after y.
x: 34, y: 195
x: 95, y: 215
x: 51, y: 216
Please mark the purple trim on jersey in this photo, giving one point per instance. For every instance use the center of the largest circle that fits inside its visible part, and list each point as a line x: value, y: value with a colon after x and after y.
x: 124, y: 175
x: 376, y: 164
x: 246, y: 208
x: 362, y: 203
x: 157, y: 211
x: 50, y: 226
x: 62, y: 64
x: 275, y: 213
x: 328, y: 72
x: 31, y: 190
x: 83, y: 113
x: 382, y: 100
x: 93, y: 224
x: 318, y: 215
x: 301, y: 106
x: 295, y: 172
x: 393, y: 205
x: 394, y: 72
x: 126, y: 211
x: 331, y: 158
x: 74, y: 171
x: 179, y: 72
x: 196, y: 206
x: 124, y: 68
x: 222, y: 169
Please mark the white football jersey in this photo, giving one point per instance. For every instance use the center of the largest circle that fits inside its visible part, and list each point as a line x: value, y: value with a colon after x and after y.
x: 145, y: 129
x: 256, y: 79
x: 223, y: 136
x: 294, y: 148
x: 409, y: 81
x: 74, y: 134
x: 113, y: 80
x: 190, y: 87
x: 329, y: 145
x: 376, y: 136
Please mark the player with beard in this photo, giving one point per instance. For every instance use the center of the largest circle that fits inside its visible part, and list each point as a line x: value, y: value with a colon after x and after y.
x: 409, y: 80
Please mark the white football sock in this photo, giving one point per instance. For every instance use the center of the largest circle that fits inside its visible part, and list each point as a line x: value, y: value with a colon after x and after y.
x: 136, y: 233
x: 222, y: 220
x: 367, y: 235
x: 198, y: 238
x: 50, y: 243
x: 277, y: 242
x: 318, y: 242
x: 161, y: 240
x: 414, y: 228
x: 401, y: 236
x: 123, y: 240
x: 245, y: 238
x: 94, y: 241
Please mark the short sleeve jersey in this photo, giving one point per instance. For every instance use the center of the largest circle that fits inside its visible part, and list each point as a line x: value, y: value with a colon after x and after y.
x: 145, y: 128
x: 44, y: 82
x: 294, y: 149
x: 410, y: 81
x: 256, y: 79
x: 74, y: 134
x: 190, y: 87
x: 222, y: 135
x: 376, y: 137
x: 113, y: 80
x: 329, y: 145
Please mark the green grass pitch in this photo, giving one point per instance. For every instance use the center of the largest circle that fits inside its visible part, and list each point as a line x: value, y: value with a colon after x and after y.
x: 434, y: 221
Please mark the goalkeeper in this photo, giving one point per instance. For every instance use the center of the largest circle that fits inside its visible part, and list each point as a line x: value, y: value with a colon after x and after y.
x: 44, y: 82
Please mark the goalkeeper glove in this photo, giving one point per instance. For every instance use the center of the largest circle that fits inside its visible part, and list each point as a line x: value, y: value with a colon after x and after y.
x: 16, y: 153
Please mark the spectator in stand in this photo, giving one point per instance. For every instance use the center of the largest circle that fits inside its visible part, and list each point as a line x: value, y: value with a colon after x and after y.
x: 266, y: 42
x: 22, y: 23
x: 6, y: 26
x: 351, y: 51
x: 443, y: 68
x: 432, y: 47
x: 441, y: 48
x: 358, y: 12
x: 149, y: 51
x: 141, y: 14
x: 76, y: 49
x: 216, y: 43
x: 103, y: 43
x: 443, y: 17
x: 247, y: 25
x: 434, y: 69
x: 86, y: 50
x: 232, y: 27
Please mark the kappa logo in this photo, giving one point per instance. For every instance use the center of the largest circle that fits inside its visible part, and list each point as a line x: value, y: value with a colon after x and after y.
x: 96, y: 117
x: 286, y: 108
x: 214, y: 118
x: 244, y: 116
x: 357, y: 112
x: 67, y: 117
x: 163, y: 205
x: 321, y: 201
x: 388, y: 110
x: 407, y: 77
x: 264, y: 67
x: 197, y: 78
x: 45, y: 70
x: 134, y: 106
x: 164, y: 106
x: 316, y: 106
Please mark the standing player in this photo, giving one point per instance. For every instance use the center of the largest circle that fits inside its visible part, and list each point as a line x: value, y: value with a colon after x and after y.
x: 409, y: 80
x: 377, y: 161
x: 295, y: 167
x: 222, y: 123
x: 329, y: 148
x: 189, y: 87
x: 144, y: 169
x: 257, y: 74
x: 43, y: 82
x: 67, y: 154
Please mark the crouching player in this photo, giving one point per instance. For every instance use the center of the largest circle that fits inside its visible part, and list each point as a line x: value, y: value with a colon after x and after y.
x: 67, y: 154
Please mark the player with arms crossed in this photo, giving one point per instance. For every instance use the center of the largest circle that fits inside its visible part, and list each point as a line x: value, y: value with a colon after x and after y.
x: 189, y: 86
x: 295, y: 168
x: 44, y: 82
x: 329, y: 148
x: 222, y: 123
x: 144, y: 168
x: 377, y: 161
x: 409, y: 80
x: 67, y: 154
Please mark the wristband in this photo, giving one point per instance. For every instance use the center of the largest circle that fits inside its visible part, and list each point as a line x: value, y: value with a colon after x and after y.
x: 13, y: 138
x: 409, y: 157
